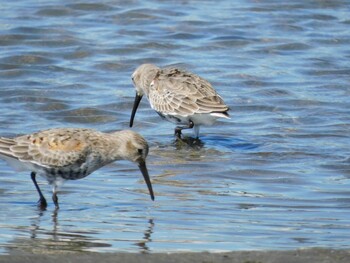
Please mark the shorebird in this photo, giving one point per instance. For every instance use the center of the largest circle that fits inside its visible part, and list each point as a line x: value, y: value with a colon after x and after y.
x: 178, y: 96
x: 62, y: 154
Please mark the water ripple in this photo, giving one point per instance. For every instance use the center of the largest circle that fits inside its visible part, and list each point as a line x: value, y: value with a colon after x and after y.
x: 274, y: 176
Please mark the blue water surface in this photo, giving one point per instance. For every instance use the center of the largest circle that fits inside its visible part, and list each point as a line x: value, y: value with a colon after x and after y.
x: 274, y: 176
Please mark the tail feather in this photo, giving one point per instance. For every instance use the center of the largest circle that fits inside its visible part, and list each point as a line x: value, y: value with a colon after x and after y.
x: 221, y: 114
x: 9, y: 156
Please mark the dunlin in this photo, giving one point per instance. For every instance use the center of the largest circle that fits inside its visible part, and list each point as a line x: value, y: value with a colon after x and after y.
x: 71, y: 153
x: 178, y: 96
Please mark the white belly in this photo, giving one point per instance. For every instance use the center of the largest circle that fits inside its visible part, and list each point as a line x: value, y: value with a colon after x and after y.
x: 198, y: 119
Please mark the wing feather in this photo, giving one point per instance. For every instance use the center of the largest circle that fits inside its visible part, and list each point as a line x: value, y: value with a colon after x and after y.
x: 50, y: 148
x: 174, y: 91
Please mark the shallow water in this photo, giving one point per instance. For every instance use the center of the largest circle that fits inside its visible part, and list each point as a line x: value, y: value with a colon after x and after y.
x: 275, y: 176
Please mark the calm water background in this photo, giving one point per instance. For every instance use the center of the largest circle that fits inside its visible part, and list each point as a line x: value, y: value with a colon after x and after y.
x: 275, y: 176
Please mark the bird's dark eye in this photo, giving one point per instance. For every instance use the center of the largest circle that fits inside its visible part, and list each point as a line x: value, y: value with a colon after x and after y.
x: 140, y: 151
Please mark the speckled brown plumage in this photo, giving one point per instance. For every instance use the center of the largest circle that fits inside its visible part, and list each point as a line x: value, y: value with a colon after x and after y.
x: 72, y: 153
x: 178, y: 96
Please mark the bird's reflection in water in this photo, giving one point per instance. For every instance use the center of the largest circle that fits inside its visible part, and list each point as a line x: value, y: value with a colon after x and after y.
x: 48, y: 236
x: 35, y: 225
x: 55, y: 223
x: 147, y: 237
x: 75, y: 241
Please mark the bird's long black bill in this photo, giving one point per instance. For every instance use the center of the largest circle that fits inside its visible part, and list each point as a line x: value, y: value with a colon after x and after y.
x: 134, y: 109
x: 144, y: 171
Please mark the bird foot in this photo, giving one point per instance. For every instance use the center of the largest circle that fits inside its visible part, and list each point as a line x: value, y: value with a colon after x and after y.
x: 188, y: 142
x: 42, y: 204
x: 178, y: 133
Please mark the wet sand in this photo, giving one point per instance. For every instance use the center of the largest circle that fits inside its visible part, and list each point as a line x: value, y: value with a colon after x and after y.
x: 292, y: 256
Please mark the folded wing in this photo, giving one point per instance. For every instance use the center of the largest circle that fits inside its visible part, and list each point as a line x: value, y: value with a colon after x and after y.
x: 47, y: 148
x: 174, y: 91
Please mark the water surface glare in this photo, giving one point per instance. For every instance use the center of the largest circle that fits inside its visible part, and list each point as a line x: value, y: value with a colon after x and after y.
x: 275, y: 176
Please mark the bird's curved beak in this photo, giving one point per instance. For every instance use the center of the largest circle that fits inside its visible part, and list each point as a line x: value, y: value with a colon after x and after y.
x: 144, y: 171
x: 136, y: 104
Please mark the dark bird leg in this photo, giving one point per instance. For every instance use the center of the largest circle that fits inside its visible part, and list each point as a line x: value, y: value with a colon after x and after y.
x: 42, y: 201
x: 55, y: 199
x: 178, y: 129
x: 54, y: 196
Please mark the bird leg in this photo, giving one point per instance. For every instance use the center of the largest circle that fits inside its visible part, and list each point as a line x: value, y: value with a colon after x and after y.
x: 42, y: 201
x: 55, y: 199
x: 178, y: 129
x: 54, y: 196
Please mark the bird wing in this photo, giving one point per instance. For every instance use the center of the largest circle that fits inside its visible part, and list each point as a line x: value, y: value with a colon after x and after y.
x: 174, y: 91
x: 50, y: 148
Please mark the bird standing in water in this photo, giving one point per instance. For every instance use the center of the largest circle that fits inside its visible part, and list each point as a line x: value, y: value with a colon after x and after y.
x: 71, y: 153
x: 178, y: 96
